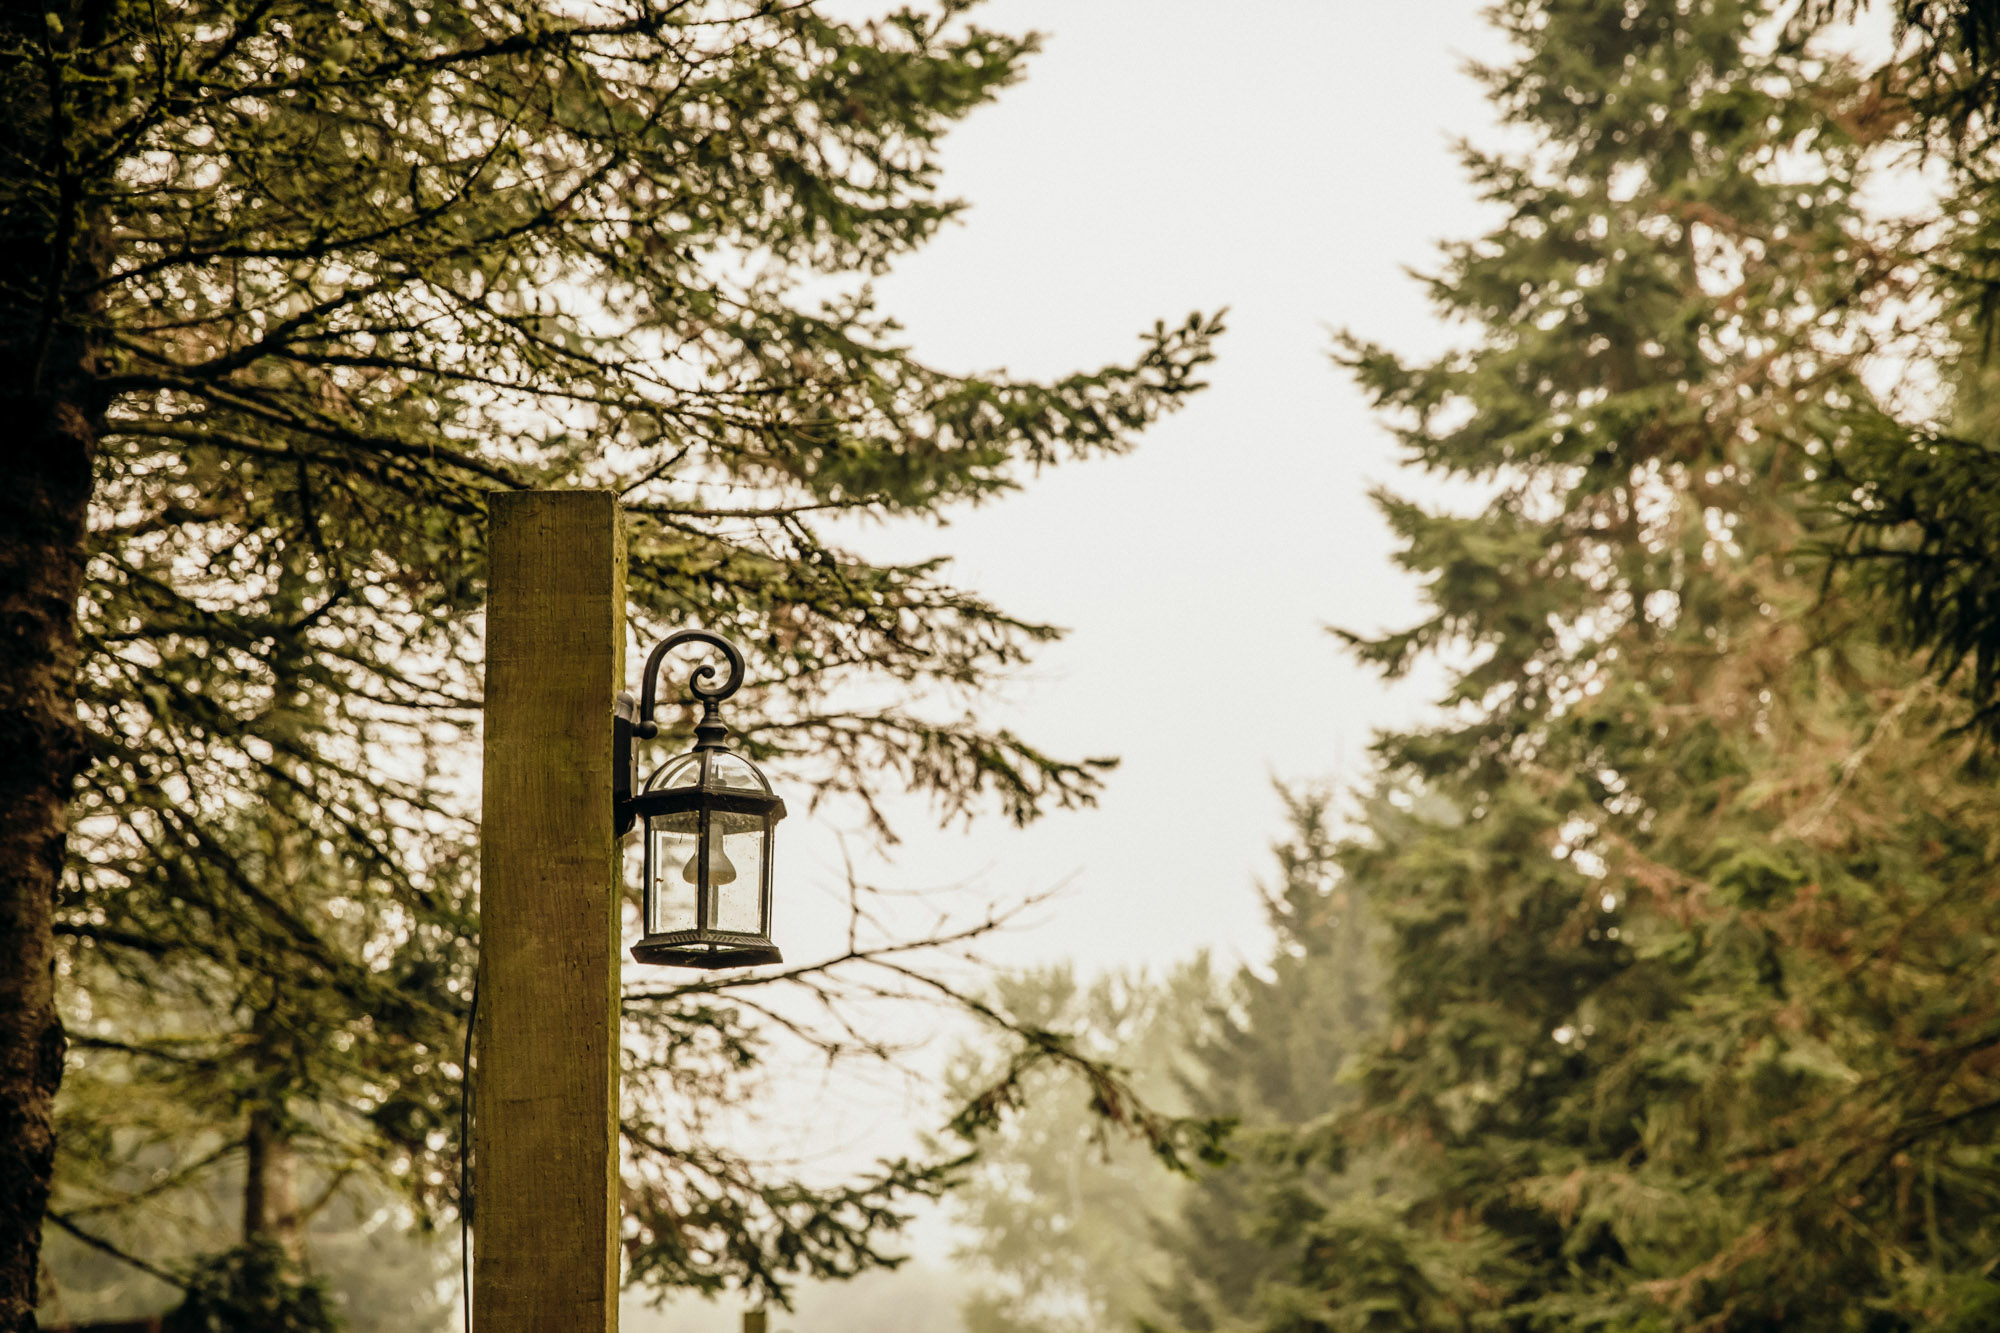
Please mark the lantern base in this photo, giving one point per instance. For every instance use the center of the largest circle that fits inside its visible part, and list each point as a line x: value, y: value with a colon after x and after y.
x: 707, y: 956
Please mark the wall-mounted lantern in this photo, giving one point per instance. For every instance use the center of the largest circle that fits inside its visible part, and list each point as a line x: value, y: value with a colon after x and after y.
x: 707, y: 819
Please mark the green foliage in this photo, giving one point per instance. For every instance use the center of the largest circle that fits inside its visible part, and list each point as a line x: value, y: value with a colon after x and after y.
x: 1921, y: 513
x: 1690, y: 1012
x: 1061, y: 1208
x: 1915, y: 492
x: 366, y: 262
x: 1277, y: 1064
x: 1077, y: 1232
x: 256, y: 1288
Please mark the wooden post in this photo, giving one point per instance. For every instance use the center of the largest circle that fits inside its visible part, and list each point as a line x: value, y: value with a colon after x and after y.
x: 545, y: 1203
x: 754, y: 1321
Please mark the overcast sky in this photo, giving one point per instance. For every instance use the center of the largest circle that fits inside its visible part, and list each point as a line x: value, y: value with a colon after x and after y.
x: 1287, y: 159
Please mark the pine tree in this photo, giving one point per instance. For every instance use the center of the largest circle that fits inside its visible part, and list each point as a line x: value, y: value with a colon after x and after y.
x: 1077, y: 1232
x: 1276, y: 1067
x: 1690, y: 1018
x: 286, y: 289
x: 1917, y: 493
x: 1061, y: 1210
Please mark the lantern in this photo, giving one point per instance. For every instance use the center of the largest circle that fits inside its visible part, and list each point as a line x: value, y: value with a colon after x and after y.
x: 706, y: 820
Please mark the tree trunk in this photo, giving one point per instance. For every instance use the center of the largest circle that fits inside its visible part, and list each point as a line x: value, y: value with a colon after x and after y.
x: 270, y: 1183
x: 49, y: 419
x: 45, y: 468
x: 270, y: 1189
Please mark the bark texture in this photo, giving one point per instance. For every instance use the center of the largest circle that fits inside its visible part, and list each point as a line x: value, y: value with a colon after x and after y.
x: 49, y: 419
x: 45, y: 461
x: 270, y: 1187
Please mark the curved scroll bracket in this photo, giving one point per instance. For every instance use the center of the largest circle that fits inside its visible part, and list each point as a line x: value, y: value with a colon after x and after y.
x: 632, y: 721
x: 698, y: 682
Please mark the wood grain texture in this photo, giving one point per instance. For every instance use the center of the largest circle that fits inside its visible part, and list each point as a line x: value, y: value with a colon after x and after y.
x: 545, y: 1258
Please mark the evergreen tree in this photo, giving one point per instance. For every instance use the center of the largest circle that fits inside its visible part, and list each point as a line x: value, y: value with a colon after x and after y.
x: 1076, y: 1232
x: 1691, y: 1007
x: 1061, y: 1211
x: 1918, y: 494
x: 286, y: 289
x: 1276, y: 1066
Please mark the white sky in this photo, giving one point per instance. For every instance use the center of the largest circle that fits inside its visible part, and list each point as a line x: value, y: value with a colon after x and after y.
x: 1288, y: 159
x: 1289, y: 164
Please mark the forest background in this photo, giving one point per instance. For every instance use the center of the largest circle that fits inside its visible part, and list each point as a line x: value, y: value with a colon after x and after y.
x: 1642, y: 987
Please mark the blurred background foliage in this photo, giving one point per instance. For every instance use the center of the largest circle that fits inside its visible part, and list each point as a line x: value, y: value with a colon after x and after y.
x: 1649, y: 985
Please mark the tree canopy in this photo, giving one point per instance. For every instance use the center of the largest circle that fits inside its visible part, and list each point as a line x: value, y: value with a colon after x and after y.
x: 1059, y: 1212
x: 1688, y: 894
x: 1276, y: 1066
x: 321, y: 277
x: 1649, y: 985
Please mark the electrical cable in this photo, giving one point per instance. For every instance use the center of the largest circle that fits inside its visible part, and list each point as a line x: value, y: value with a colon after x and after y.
x: 464, y: 1152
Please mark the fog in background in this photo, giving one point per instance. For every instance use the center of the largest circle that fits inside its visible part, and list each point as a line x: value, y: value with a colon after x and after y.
x: 1288, y: 159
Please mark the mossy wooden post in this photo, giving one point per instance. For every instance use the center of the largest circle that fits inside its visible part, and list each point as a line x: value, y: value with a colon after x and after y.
x: 545, y: 1254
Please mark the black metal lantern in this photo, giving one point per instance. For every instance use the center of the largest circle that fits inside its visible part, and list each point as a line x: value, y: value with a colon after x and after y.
x: 707, y: 820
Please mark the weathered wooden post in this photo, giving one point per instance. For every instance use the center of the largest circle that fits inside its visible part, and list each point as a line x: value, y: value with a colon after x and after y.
x: 545, y: 1258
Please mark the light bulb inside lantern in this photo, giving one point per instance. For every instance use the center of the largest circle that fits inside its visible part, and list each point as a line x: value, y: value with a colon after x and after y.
x: 721, y: 870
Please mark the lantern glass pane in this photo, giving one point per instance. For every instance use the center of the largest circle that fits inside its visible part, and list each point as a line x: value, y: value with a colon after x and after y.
x: 682, y: 772
x: 736, y: 871
x: 728, y: 770
x: 675, y: 868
